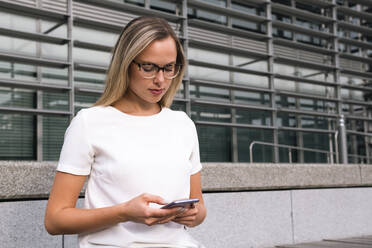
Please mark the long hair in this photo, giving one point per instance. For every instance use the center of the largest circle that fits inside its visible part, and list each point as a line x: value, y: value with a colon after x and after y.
x: 134, y: 38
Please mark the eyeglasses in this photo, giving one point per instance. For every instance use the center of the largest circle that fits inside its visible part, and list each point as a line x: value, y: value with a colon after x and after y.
x: 149, y: 70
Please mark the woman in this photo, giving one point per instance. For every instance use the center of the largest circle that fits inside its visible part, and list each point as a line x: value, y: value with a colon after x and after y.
x: 137, y: 153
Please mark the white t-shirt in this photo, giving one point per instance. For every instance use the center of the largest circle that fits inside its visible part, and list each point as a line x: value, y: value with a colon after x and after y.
x: 125, y: 156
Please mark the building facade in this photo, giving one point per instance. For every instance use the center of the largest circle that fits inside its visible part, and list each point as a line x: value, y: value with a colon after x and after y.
x: 293, y: 76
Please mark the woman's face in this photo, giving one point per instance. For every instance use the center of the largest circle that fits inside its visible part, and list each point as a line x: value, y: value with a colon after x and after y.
x: 145, y: 90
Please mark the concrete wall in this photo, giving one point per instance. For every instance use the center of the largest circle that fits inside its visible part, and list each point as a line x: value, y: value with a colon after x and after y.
x: 249, y: 205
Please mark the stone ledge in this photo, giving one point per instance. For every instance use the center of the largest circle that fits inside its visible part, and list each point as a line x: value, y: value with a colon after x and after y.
x: 244, y: 176
x: 32, y: 180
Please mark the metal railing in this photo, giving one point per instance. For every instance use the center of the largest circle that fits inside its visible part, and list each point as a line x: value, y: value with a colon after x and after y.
x: 290, y: 148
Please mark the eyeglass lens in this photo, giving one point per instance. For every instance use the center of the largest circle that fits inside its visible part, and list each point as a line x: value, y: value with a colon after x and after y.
x: 150, y: 69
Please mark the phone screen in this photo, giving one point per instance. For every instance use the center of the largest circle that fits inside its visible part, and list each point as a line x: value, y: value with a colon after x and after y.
x: 180, y: 203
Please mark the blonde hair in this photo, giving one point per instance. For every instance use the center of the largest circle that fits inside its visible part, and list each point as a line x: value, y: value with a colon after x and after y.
x: 134, y: 38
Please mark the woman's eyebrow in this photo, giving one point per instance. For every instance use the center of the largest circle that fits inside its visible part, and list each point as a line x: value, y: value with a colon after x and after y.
x: 149, y: 62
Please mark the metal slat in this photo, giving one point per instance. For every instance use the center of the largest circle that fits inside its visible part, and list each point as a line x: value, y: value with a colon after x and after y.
x: 132, y: 9
x: 298, y: 45
x: 226, y: 11
x: 33, y: 36
x: 88, y: 45
x: 305, y: 96
x: 363, y: 2
x: 93, y: 23
x: 355, y: 43
x: 349, y: 11
x: 34, y: 85
x: 227, y: 68
x: 304, y: 80
x: 237, y: 51
x: 355, y: 58
x: 90, y: 68
x: 281, y: 8
x: 228, y: 86
x: 231, y: 105
x: 355, y: 102
x: 320, y: 3
x: 33, y: 111
x: 302, y: 30
x: 32, y: 11
x: 227, y: 30
x: 354, y: 28
x: 229, y: 124
x: 306, y: 112
x: 33, y: 60
x: 355, y: 87
x: 358, y: 73
x: 304, y: 63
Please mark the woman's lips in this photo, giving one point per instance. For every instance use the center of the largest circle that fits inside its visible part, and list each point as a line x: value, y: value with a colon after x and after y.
x: 156, y: 91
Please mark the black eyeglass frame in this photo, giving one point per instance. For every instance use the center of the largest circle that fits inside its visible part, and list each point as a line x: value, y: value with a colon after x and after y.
x: 158, y: 68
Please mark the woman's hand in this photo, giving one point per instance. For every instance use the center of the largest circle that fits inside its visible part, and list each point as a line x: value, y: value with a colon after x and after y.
x: 189, y: 216
x: 138, y: 210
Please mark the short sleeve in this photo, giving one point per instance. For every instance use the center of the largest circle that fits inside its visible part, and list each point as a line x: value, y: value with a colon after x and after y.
x: 77, y: 154
x: 195, y: 155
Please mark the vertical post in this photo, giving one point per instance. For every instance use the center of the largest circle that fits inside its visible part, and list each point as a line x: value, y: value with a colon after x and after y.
x: 186, y: 77
x: 342, y: 145
x: 342, y: 139
x: 234, y: 131
x: 70, y: 59
x: 270, y: 65
x: 290, y: 155
x: 39, y: 95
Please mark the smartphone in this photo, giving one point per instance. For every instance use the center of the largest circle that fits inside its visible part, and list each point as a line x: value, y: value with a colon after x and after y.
x: 181, y: 203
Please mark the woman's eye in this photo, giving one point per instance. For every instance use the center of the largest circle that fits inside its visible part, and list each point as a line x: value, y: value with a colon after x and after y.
x: 169, y: 68
x: 147, y: 67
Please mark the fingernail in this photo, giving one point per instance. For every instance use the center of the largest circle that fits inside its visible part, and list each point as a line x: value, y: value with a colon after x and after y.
x: 182, y: 209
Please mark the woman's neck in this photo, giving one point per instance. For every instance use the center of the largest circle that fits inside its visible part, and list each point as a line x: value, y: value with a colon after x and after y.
x: 135, y: 108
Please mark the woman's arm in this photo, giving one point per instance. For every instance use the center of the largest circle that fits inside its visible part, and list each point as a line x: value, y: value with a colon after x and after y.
x: 193, y: 216
x: 62, y: 217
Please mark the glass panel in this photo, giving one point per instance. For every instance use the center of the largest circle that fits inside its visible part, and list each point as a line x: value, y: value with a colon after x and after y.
x: 310, y: 89
x: 253, y: 117
x: 94, y: 36
x: 84, y: 101
x: 54, y: 75
x: 17, y: 46
x: 287, y: 138
x: 52, y: 51
x: 208, y: 15
x: 250, y: 63
x: 180, y: 106
x: 54, y: 129
x: 11, y: 97
x: 53, y: 28
x: 17, y: 71
x: 286, y: 120
x: 55, y: 101
x: 16, y: 22
x: 251, y: 98
x: 261, y: 153
x: 208, y: 56
x: 316, y: 141
x: 209, y: 93
x: 210, y: 113
x: 18, y: 141
x: 163, y: 6
x: 92, y: 57
x: 198, y: 72
x: 90, y: 79
x: 214, y: 143
x: 250, y: 80
x: 245, y: 7
x: 356, y: 149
